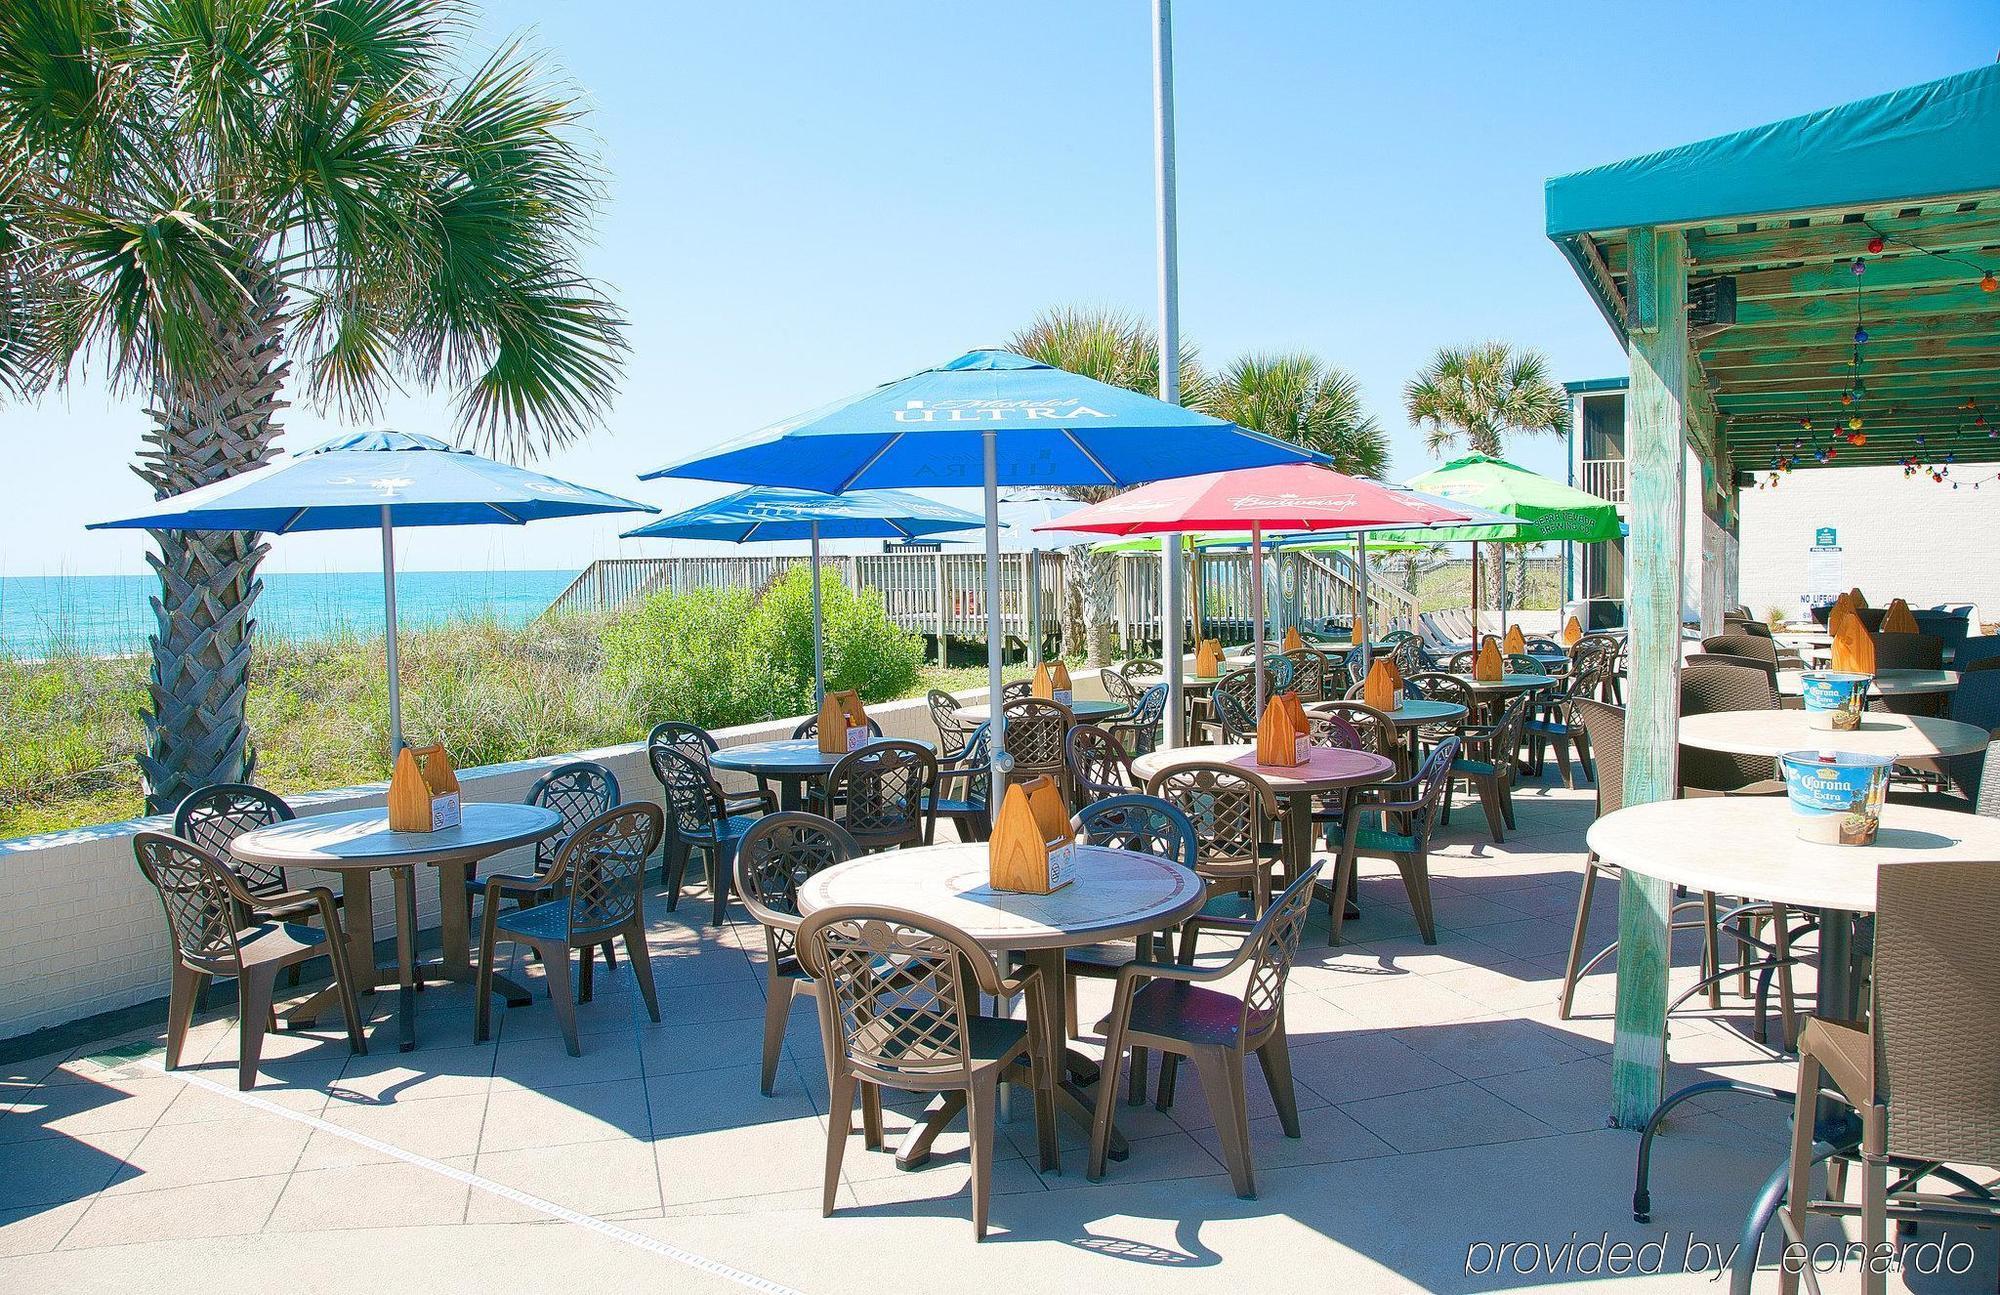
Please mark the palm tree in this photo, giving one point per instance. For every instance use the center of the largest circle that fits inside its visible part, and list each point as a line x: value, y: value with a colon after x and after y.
x: 1118, y: 348
x: 1300, y: 398
x: 1474, y: 396
x: 199, y: 196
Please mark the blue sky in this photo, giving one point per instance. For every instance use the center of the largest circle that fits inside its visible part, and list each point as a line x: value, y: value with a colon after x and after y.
x: 808, y: 199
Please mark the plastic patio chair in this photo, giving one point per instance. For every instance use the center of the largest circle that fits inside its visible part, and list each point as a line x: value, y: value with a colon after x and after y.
x: 1234, y: 813
x: 883, y: 794
x: 777, y: 856
x: 1099, y: 766
x: 699, y: 821
x: 598, y: 879
x: 203, y: 899
x: 1414, y: 804
x: 1172, y: 1009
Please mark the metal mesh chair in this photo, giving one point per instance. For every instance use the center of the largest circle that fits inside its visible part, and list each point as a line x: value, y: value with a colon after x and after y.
x: 964, y: 787
x: 598, y: 878
x: 1172, y: 1009
x: 699, y: 822
x: 1408, y: 812
x: 1923, y: 1079
x: 899, y: 1009
x: 1036, y: 730
x: 206, y: 907
x: 1098, y: 764
x: 777, y: 856
x: 952, y: 726
x: 883, y: 794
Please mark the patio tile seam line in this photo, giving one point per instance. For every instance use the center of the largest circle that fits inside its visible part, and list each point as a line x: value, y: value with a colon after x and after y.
x: 474, y: 1182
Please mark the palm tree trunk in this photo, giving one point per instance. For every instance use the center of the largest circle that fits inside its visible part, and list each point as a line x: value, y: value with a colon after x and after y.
x: 196, y: 731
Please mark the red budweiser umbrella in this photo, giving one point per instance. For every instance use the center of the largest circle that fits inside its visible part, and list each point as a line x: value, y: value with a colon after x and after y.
x: 1286, y: 497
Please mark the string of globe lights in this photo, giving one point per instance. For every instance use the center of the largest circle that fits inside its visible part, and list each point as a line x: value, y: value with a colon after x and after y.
x: 1849, y: 428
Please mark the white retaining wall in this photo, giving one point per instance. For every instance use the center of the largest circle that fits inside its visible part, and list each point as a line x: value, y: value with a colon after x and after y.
x: 81, y: 932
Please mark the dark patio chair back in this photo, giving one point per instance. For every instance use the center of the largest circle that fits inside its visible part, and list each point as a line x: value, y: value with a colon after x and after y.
x: 579, y: 791
x: 1949, y: 627
x: 882, y: 793
x: 691, y: 740
x: 809, y: 727
x: 211, y: 817
x: 1142, y: 824
x: 1016, y: 688
x: 1979, y: 647
x: 1748, y: 646
x: 952, y: 727
x: 1706, y: 689
x: 1309, y: 669
x: 1770, y: 670
x: 780, y: 853
x: 602, y: 864
x: 1273, y: 946
x: 1231, y: 810
x: 1433, y: 777
x: 1935, y: 976
x: 1098, y: 764
x: 1235, y: 700
x: 1438, y: 686
x: 1409, y: 654
x: 901, y: 991
x: 1909, y: 652
x: 1118, y: 688
x: 201, y: 919
x: 1352, y: 726
x: 1140, y: 668
x: 1036, y: 730
x: 1140, y: 731
x: 694, y: 806
x: 1604, y: 724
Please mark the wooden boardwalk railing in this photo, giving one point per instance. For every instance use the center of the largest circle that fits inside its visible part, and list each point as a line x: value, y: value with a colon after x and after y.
x: 943, y: 595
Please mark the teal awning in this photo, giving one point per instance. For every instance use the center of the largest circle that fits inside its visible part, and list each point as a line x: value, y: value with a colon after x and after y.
x: 1925, y: 141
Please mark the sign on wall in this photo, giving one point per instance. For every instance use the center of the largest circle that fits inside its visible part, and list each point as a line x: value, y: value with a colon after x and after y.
x: 1826, y: 537
x: 1826, y: 574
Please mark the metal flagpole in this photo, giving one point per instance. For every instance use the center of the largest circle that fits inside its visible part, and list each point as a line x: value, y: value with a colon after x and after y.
x: 996, y: 734
x: 389, y: 615
x: 819, y: 627
x: 1171, y: 583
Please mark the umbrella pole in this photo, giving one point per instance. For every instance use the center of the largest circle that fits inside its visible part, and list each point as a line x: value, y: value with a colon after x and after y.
x: 819, y: 627
x: 1475, y: 595
x: 389, y: 617
x: 1361, y: 611
x: 1503, y: 590
x: 1257, y: 597
x: 996, y: 734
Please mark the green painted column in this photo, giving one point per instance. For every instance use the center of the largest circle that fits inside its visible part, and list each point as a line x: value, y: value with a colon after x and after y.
x: 1655, y: 440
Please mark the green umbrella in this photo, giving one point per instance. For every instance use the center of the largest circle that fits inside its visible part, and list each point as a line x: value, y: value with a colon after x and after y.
x: 1543, y: 510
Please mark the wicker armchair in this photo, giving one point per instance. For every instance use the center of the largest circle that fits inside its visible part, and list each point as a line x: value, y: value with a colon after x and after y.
x: 899, y: 1007
x: 963, y: 788
x: 1036, y: 731
x: 1925, y: 1084
x: 1173, y: 1009
x: 598, y: 879
x: 1706, y: 689
x: 1408, y: 811
x: 202, y: 899
x: 1098, y: 764
x: 884, y: 794
x: 699, y: 822
x: 952, y: 726
x: 776, y: 856
x: 1234, y: 813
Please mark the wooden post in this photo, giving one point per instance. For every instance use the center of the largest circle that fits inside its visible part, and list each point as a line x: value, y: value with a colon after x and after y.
x: 1656, y: 440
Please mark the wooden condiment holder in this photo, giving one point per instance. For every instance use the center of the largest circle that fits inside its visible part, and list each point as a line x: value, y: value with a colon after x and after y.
x: 1898, y: 620
x: 1292, y: 641
x: 1061, y: 690
x: 423, y: 791
x: 1208, y: 658
x: 1032, y: 850
x: 1853, y: 647
x: 1572, y: 632
x: 1860, y: 603
x: 1281, y: 739
x: 1044, y: 683
x: 843, y: 724
x: 1354, y: 635
x: 1516, y: 642
x: 1381, y: 689
x: 1487, y: 667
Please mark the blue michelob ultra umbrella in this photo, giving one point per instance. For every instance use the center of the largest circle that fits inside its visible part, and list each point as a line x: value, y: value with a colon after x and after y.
x: 770, y: 513
x: 366, y: 480
x: 987, y: 419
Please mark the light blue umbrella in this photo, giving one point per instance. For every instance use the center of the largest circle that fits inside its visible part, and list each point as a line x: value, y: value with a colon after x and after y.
x: 366, y: 480
x: 779, y: 513
x: 988, y: 419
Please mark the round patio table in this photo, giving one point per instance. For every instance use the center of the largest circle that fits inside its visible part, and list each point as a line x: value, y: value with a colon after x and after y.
x: 1774, y: 732
x: 1116, y: 894
x: 1086, y: 710
x: 791, y: 763
x: 1326, y: 770
x: 1748, y: 846
x: 1886, y: 683
x: 358, y: 843
x: 1509, y: 682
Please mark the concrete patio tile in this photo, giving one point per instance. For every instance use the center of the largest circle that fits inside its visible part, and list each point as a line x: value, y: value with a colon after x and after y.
x: 1531, y: 937
x: 17, y: 1077
x: 949, y: 1184
x: 1171, y: 1157
x: 231, y: 1208
x: 730, y: 1164
x: 38, y: 1228
x: 1455, y: 1115
x: 52, y: 1171
x: 1191, y: 1108
x: 434, y: 1127
x: 714, y: 1099
x: 592, y: 1177
x: 1417, y: 1000
x: 518, y: 1118
x: 539, y: 1064
x: 1483, y: 1048
x: 394, y: 1195
x: 180, y: 1155
x: 1572, y: 1097
x: 1327, y: 1135
x: 1350, y: 1067
x: 804, y: 1200
x: 1505, y: 985
x: 430, y: 1071
x: 59, y: 1110
x: 726, y: 1000
x: 605, y: 1014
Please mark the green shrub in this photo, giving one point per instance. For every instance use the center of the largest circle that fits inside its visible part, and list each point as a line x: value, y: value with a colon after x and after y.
x: 689, y: 657
x: 865, y: 650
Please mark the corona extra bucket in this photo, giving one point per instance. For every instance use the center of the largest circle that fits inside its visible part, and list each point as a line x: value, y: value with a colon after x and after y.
x: 1836, y: 795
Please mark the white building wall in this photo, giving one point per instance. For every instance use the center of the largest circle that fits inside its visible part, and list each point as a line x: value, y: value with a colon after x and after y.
x: 1899, y: 537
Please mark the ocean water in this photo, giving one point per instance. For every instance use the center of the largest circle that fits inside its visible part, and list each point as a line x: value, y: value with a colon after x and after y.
x: 100, y: 615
